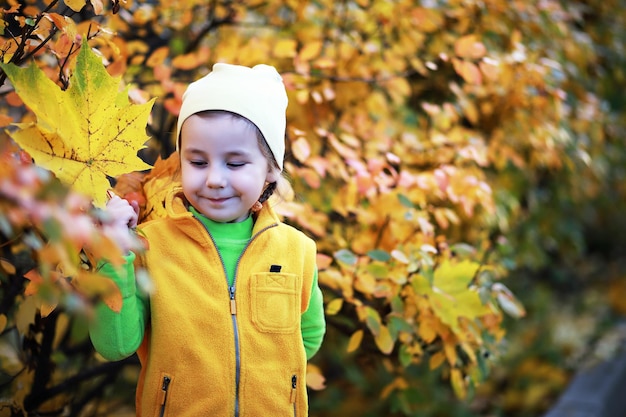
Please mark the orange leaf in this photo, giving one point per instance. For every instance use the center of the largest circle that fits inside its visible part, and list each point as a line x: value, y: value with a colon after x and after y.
x: 490, y: 69
x: 31, y: 288
x: 13, y: 99
x: 468, y: 71
x: 192, y: 60
x: 158, y: 56
x: 58, y: 20
x: 469, y: 47
x: 93, y: 285
x: 311, y: 177
x: 314, y: 378
x: 34, y: 276
x: 128, y: 183
x: 427, y: 20
x: 323, y: 261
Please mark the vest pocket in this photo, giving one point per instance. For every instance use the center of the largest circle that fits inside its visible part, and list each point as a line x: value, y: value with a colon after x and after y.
x: 275, y: 302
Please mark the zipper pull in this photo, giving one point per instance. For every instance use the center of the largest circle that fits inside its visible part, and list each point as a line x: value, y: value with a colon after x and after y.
x: 164, y: 387
x: 233, y: 304
x: 294, y: 385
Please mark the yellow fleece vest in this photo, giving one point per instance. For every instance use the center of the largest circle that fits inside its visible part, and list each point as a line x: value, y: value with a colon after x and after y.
x: 217, y: 351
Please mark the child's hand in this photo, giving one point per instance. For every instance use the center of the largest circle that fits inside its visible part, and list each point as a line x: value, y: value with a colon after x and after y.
x: 121, y: 212
x: 120, y: 217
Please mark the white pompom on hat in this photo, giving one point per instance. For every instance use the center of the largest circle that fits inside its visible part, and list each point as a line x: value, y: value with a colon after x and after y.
x: 256, y: 93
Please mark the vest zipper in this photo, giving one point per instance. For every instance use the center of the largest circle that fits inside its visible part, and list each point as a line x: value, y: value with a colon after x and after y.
x: 233, y: 312
x: 163, y: 394
x: 233, y: 306
x: 233, y: 315
x: 294, y: 386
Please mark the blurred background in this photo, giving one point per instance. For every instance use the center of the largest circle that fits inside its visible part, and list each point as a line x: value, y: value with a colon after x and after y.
x: 470, y: 148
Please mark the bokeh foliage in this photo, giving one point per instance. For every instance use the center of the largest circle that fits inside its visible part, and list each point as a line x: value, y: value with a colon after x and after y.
x: 439, y: 152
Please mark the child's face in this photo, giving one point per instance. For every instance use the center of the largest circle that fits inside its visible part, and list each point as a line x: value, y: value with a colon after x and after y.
x: 223, y: 169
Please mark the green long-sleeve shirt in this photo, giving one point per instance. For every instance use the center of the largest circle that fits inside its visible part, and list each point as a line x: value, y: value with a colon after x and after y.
x: 117, y: 335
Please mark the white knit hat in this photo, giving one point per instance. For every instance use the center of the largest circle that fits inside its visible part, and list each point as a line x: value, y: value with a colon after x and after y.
x: 256, y: 93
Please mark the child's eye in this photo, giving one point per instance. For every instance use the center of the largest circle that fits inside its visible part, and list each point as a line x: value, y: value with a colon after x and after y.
x: 236, y: 164
x: 197, y: 163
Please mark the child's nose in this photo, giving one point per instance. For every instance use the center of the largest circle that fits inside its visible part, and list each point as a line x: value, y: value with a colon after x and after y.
x: 215, y: 177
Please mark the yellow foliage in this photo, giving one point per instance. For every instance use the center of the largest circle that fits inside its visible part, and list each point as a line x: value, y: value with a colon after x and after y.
x: 85, y: 133
x: 399, y: 117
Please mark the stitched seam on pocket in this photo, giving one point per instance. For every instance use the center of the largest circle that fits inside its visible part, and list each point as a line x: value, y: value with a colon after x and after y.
x: 266, y: 301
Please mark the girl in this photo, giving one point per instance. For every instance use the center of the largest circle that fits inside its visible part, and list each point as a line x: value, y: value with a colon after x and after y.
x: 236, y: 310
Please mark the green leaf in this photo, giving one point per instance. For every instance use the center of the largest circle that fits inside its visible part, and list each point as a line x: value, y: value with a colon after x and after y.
x: 405, y: 201
x: 404, y: 356
x: 373, y: 320
x: 346, y: 256
x: 379, y: 255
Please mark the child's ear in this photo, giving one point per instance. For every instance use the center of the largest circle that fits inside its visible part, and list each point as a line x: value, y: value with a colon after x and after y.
x: 273, y: 175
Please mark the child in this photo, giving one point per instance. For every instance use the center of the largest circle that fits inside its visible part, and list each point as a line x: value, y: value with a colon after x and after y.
x: 236, y: 310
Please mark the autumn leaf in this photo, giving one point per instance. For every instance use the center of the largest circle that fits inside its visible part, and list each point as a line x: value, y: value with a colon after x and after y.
x: 93, y: 285
x: 334, y: 306
x: 450, y: 295
x: 469, y: 47
x: 76, y: 5
x: 285, y: 48
x: 458, y: 384
x: 311, y: 50
x: 85, y: 133
x: 314, y: 377
x: 355, y: 341
x: 156, y: 186
x: 384, y: 341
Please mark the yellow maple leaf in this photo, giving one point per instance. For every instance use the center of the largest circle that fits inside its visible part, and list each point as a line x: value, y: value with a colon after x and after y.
x: 84, y: 133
